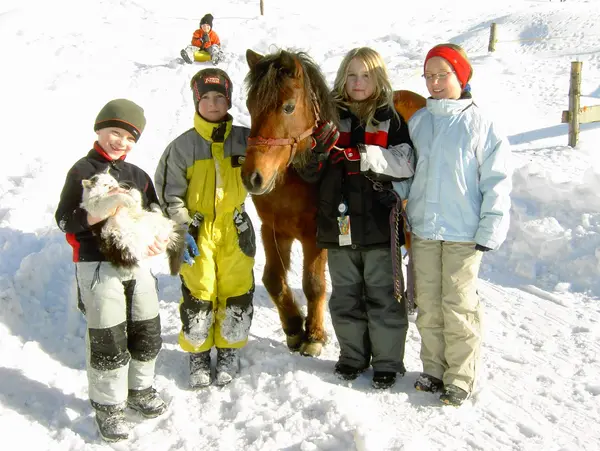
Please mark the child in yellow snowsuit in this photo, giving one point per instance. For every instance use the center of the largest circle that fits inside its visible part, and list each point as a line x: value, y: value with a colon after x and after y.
x: 198, y: 180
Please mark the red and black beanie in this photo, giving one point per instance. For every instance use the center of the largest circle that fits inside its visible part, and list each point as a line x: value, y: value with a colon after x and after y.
x: 122, y: 113
x: 207, y: 19
x: 211, y: 79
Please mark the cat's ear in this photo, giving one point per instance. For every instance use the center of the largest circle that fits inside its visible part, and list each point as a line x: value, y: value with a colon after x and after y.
x: 106, y: 171
x: 86, y: 183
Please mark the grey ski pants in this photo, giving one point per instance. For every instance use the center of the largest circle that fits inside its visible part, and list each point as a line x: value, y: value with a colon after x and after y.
x: 370, y: 324
x: 123, y: 329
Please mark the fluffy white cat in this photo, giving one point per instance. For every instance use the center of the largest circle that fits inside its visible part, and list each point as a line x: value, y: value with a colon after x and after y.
x: 126, y: 235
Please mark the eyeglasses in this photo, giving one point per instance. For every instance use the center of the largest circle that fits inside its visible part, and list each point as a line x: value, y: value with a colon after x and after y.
x: 440, y: 76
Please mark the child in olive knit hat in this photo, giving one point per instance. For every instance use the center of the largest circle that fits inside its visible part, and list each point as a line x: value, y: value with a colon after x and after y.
x: 122, y: 113
x: 120, y: 304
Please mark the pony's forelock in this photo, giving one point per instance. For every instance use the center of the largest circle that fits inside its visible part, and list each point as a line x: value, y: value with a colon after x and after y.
x: 266, y: 82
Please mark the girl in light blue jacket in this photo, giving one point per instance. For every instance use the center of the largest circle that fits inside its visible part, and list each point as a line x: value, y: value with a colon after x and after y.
x: 458, y: 208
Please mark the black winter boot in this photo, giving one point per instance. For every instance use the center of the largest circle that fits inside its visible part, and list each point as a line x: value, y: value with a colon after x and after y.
x: 453, y: 395
x: 428, y: 383
x: 383, y: 379
x: 148, y: 402
x: 228, y: 365
x: 200, y: 376
x: 111, y: 422
x: 347, y: 372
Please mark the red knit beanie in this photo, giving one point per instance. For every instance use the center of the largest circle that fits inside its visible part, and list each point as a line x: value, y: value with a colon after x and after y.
x: 459, y: 63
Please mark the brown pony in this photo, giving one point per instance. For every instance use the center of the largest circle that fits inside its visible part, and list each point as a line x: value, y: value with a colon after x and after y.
x: 287, y: 96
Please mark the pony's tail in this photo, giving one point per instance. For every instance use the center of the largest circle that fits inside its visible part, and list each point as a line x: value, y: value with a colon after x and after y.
x: 176, y: 248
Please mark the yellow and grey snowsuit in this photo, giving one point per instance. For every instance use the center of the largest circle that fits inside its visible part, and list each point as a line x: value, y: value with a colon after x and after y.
x: 199, y: 174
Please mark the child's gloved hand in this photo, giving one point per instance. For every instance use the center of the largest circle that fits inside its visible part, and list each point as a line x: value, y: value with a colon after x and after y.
x: 325, y: 137
x: 205, y: 39
x: 245, y: 230
x: 191, y: 249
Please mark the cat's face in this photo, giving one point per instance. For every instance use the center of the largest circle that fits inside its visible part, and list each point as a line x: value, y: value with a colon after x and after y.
x: 99, y: 184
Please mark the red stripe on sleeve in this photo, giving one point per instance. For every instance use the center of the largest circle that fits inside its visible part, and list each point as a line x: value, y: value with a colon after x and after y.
x: 74, y: 244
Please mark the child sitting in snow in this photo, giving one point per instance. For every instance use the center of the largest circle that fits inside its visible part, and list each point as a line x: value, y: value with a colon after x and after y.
x: 458, y: 208
x: 204, y: 38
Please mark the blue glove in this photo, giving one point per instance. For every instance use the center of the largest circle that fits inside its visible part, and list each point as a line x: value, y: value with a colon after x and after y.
x: 191, y: 249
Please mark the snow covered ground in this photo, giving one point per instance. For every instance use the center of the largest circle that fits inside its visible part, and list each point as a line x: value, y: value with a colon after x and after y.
x: 540, y: 386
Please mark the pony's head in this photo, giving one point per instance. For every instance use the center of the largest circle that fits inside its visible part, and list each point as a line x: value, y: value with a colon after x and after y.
x: 287, y: 97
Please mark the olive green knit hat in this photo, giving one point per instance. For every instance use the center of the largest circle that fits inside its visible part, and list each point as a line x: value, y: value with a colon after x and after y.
x: 122, y: 113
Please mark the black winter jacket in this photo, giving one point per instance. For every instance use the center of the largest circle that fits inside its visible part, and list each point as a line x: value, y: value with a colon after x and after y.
x: 72, y: 219
x: 369, y: 210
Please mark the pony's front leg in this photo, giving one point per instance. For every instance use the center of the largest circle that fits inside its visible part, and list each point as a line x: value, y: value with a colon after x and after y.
x: 277, y: 262
x: 313, y: 284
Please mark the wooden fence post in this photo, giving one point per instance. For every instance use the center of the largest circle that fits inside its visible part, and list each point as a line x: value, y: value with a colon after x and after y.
x: 262, y: 7
x: 574, y: 93
x: 492, y: 44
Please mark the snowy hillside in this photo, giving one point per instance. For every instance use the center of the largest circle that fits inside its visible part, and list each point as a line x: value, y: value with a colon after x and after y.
x: 540, y: 387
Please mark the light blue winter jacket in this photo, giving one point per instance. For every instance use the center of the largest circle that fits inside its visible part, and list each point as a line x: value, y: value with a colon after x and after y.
x: 463, y: 178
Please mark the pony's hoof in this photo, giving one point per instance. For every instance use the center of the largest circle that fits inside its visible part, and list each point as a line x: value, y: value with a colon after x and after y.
x: 294, y: 342
x: 311, y: 349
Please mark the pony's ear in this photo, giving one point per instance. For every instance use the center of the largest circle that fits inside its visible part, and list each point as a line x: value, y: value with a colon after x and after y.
x: 86, y: 183
x: 253, y: 58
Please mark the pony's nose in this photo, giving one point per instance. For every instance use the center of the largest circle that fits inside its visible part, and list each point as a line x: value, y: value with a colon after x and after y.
x: 256, y: 180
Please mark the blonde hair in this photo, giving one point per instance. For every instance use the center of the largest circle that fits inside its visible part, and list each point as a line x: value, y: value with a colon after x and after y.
x: 383, y: 94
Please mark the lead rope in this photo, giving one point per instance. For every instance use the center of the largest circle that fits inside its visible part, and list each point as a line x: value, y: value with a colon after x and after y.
x: 395, y: 245
x: 396, y: 248
x: 396, y: 216
x: 410, y: 275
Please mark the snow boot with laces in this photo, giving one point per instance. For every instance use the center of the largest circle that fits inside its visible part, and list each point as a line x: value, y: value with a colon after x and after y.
x: 147, y: 401
x: 200, y: 376
x: 228, y: 365
x: 428, y: 383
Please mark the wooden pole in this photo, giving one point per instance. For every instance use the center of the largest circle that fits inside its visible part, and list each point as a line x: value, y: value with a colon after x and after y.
x: 492, y: 44
x: 262, y: 7
x: 574, y: 93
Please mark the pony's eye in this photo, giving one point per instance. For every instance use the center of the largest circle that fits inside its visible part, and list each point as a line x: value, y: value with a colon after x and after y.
x: 289, y: 108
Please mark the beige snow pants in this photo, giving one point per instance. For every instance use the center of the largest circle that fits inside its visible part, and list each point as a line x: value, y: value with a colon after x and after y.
x: 448, y: 316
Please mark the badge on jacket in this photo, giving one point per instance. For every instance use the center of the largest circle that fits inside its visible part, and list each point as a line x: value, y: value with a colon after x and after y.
x: 345, y: 237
